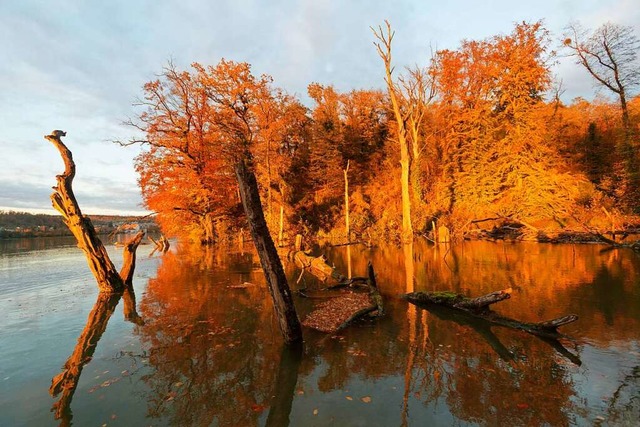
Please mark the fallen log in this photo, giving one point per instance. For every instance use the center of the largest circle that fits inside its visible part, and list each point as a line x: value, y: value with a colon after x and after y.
x: 479, y: 307
x: 317, y: 266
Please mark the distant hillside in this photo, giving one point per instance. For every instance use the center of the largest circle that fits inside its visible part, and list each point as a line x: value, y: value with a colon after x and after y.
x: 23, y: 224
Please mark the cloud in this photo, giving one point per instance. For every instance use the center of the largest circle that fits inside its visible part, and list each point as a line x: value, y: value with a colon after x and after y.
x: 78, y: 66
x: 93, y: 197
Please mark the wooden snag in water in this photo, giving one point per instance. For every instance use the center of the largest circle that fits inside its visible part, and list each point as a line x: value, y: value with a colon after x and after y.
x: 316, y: 266
x: 161, y: 245
x: 479, y: 307
x: 66, y: 382
x: 64, y: 201
x: 269, y: 258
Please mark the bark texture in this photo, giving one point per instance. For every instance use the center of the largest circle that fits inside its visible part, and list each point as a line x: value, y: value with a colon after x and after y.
x: 269, y: 259
x: 64, y: 201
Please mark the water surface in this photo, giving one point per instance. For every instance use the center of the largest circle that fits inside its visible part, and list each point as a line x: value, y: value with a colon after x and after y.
x: 202, y: 346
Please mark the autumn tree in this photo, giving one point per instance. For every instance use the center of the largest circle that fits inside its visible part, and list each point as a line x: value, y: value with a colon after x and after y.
x: 204, y: 125
x: 498, y: 160
x: 284, y: 128
x: 344, y: 127
x: 180, y: 172
x: 610, y: 55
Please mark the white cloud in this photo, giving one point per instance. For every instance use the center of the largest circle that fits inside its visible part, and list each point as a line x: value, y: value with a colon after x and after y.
x: 77, y: 66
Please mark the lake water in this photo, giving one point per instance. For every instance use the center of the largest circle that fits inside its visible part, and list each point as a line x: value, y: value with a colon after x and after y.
x: 203, y: 346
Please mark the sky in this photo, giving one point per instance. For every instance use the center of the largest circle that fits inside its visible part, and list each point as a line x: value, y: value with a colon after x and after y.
x: 78, y: 65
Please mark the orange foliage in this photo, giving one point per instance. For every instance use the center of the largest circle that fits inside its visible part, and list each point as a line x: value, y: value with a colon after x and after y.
x: 481, y: 141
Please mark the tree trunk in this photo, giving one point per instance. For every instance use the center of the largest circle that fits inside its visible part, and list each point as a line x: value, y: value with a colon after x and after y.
x: 346, y: 201
x: 269, y: 259
x: 64, y: 201
x: 407, y: 228
x: 129, y: 259
x: 208, y: 229
x: 384, y: 50
x: 281, y: 228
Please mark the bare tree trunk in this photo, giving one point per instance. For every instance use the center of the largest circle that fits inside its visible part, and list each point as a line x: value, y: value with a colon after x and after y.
x: 346, y: 201
x: 64, y: 201
x: 129, y: 259
x: 407, y: 228
x: 384, y: 50
x: 269, y: 259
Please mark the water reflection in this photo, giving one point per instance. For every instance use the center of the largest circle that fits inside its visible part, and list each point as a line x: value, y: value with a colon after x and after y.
x: 213, y: 347
x: 65, y: 383
x: 216, y: 355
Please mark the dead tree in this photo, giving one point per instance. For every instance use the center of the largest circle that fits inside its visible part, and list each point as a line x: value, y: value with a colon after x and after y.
x: 66, y: 382
x: 64, y: 201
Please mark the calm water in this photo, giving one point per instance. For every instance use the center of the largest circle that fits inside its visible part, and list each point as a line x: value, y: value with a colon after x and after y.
x: 201, y: 350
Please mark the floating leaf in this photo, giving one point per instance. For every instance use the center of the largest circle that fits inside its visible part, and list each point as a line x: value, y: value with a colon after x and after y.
x: 315, y: 412
x: 366, y: 399
x: 257, y: 408
x: 348, y: 397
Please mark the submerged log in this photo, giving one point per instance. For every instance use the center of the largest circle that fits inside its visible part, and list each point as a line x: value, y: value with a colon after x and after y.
x: 479, y: 307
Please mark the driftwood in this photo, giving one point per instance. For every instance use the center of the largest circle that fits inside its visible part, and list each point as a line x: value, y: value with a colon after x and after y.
x: 479, y: 307
x: 112, y: 285
x: 337, y: 313
x: 317, y: 266
x: 64, y: 201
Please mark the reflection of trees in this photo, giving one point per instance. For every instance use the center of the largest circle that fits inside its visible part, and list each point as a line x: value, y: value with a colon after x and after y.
x: 530, y: 388
x: 493, y: 375
x: 214, y: 350
x: 285, y: 386
x: 217, y: 354
x: 548, y: 280
x: 66, y: 382
x: 624, y: 406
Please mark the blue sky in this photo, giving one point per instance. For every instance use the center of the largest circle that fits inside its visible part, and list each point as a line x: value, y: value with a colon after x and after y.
x: 79, y: 65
